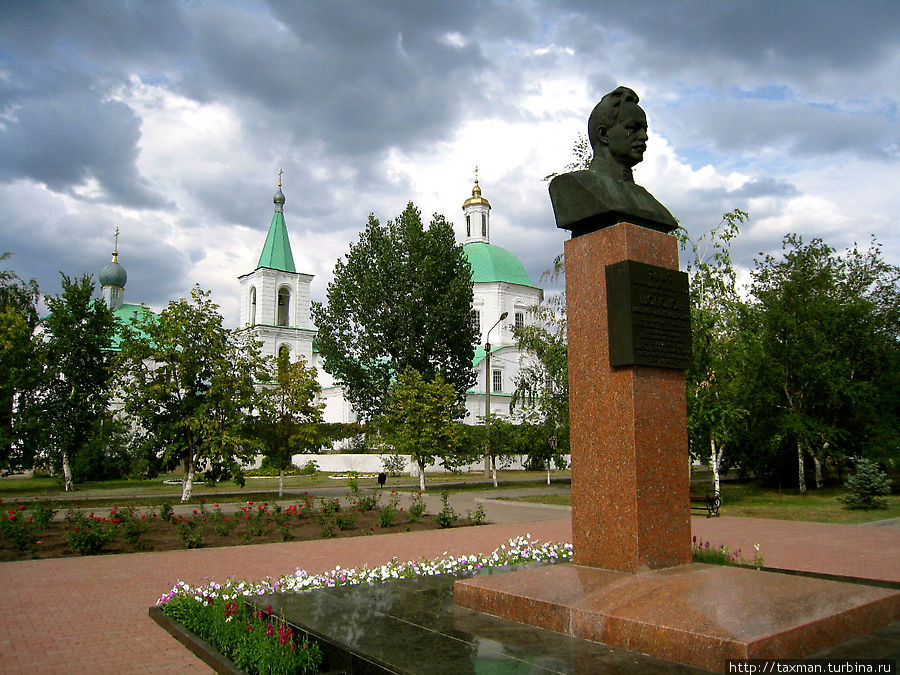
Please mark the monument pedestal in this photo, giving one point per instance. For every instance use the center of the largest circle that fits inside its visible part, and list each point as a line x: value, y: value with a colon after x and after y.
x: 700, y: 615
x: 632, y: 584
x: 630, y: 483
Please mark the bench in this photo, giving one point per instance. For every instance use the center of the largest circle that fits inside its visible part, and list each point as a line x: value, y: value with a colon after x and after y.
x: 708, y: 504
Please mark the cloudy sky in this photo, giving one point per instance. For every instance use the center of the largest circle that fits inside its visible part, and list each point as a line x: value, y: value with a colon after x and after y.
x: 170, y: 120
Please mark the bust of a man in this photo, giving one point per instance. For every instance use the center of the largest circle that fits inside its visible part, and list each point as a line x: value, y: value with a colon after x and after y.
x: 605, y: 194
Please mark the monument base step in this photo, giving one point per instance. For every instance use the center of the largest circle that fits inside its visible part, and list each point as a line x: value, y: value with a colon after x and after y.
x: 696, y: 614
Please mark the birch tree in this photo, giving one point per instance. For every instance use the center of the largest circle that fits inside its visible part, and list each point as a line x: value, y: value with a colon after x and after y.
x: 422, y: 418
x: 289, y: 414
x: 73, y: 385
x: 189, y: 382
x: 713, y: 397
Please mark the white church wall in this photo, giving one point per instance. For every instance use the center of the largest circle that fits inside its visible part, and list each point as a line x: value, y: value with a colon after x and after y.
x: 360, y: 463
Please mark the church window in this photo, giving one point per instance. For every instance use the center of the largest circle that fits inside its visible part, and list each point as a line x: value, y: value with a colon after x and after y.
x: 520, y: 319
x: 468, y: 225
x: 483, y: 224
x: 253, y: 305
x: 476, y: 320
x: 284, y: 306
x: 497, y: 377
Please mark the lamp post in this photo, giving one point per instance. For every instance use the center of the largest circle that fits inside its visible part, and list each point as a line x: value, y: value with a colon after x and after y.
x: 487, y: 399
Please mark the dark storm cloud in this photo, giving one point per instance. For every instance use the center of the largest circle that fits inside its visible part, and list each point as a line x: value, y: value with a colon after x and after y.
x: 770, y: 34
x: 72, y: 137
x: 812, y: 74
x: 801, y: 130
x: 46, y: 241
x: 357, y: 77
x: 59, y: 125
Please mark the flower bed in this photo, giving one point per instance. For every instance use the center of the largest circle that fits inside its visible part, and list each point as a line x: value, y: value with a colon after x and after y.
x: 257, y: 641
x: 30, y: 530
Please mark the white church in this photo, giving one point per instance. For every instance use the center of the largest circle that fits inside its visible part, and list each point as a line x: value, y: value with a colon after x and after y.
x: 275, y: 308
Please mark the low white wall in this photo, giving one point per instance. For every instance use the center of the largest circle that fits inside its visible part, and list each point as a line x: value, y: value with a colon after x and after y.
x: 344, y: 463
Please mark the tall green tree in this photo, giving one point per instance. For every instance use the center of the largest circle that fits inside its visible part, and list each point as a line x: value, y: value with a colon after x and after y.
x: 18, y: 362
x: 714, y: 396
x: 421, y: 418
x: 289, y: 417
x: 402, y: 298
x: 542, y: 387
x: 74, y: 385
x: 824, y: 335
x: 189, y: 381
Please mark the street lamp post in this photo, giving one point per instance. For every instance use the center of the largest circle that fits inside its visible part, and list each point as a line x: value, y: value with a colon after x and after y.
x: 487, y: 400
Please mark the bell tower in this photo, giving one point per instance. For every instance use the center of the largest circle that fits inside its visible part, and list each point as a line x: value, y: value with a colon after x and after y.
x: 275, y: 297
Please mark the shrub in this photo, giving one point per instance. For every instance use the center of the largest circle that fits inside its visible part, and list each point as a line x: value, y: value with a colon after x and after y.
x: 222, y: 524
x: 43, y: 515
x: 133, y: 526
x: 447, y: 517
x: 345, y: 521
x: 477, y: 518
x: 19, y: 527
x: 191, y: 533
x: 364, y: 503
x: 387, y: 515
x: 867, y: 488
x: 311, y: 468
x: 166, y: 511
x: 417, y: 507
x: 393, y: 464
x: 329, y: 507
x: 86, y: 534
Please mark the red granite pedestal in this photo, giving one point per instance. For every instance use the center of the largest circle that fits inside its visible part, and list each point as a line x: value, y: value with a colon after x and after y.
x: 632, y: 584
x: 701, y: 615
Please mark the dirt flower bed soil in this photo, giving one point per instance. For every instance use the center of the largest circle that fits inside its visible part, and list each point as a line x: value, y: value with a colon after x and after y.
x: 38, y: 530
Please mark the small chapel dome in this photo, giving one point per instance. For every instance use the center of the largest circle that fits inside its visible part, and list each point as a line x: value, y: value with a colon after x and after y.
x: 113, y: 275
x: 476, y: 197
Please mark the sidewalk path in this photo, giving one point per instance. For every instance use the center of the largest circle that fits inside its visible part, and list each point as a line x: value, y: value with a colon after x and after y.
x: 89, y: 615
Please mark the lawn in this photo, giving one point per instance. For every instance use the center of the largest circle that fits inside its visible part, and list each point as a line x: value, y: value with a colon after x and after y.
x: 748, y: 500
x: 149, y: 491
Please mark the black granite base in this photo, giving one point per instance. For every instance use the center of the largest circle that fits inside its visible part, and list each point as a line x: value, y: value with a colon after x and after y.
x: 413, y: 626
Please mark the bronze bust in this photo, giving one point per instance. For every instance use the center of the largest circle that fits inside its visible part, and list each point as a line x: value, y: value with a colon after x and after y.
x: 605, y: 194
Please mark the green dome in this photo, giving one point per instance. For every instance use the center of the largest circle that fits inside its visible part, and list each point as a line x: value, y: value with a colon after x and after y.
x: 113, y: 275
x: 492, y: 263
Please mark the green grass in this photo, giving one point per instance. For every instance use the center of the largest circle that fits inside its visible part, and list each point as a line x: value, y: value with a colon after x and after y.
x: 747, y: 500
x: 154, y: 491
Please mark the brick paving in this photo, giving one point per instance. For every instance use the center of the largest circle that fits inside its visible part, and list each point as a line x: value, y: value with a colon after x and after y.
x: 89, y: 615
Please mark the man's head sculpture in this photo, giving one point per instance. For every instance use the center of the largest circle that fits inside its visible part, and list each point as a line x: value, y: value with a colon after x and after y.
x: 617, y: 131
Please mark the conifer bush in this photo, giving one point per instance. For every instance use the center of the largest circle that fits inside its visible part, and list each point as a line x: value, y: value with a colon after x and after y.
x: 867, y: 488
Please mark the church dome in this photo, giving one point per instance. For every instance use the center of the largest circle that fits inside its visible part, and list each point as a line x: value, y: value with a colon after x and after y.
x: 492, y: 263
x: 113, y: 275
x: 476, y: 198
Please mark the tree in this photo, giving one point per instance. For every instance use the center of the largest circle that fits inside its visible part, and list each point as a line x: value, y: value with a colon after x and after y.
x: 421, y: 418
x: 401, y: 299
x: 73, y: 388
x: 188, y: 381
x: 824, y: 332
x: 18, y: 364
x: 542, y: 387
x: 714, y: 403
x: 289, y: 417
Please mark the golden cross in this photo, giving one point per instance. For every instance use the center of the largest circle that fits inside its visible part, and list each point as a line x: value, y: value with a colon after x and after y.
x: 280, y: 171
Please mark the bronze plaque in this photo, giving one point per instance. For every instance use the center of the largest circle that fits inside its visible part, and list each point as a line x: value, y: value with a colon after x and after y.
x: 649, y: 313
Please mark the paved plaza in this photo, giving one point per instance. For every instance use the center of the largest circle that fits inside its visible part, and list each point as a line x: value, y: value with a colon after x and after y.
x: 89, y: 615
